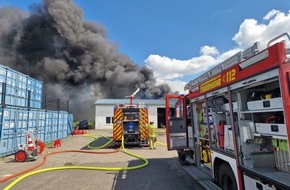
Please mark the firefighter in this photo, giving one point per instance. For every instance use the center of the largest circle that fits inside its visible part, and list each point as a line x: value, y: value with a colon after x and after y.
x: 152, y: 135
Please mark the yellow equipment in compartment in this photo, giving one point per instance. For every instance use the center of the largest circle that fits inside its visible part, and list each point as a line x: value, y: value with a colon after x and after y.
x: 205, y: 152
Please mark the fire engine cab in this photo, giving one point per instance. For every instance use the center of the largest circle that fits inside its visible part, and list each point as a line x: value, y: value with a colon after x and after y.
x: 234, y: 123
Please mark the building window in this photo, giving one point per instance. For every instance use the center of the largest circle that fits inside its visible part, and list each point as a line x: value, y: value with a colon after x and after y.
x: 112, y: 119
x: 108, y: 120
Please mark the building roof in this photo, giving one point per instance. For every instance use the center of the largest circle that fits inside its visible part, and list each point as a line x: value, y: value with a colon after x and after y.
x: 160, y: 102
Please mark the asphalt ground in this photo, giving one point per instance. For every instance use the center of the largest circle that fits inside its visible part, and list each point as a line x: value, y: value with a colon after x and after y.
x: 162, y: 172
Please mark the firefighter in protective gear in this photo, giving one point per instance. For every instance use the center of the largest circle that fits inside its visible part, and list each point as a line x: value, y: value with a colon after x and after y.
x: 152, y: 135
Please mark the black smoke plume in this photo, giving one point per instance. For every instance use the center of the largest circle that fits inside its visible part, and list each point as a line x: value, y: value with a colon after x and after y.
x: 72, y: 57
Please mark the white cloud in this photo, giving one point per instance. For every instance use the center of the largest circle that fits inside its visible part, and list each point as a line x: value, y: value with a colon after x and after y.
x: 207, y: 50
x: 167, y: 68
x: 227, y: 54
x: 251, y: 31
x: 175, y: 85
x: 271, y: 14
x: 170, y: 70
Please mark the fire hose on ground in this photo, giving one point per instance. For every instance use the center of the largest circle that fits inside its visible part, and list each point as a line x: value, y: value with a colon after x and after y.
x: 75, y: 167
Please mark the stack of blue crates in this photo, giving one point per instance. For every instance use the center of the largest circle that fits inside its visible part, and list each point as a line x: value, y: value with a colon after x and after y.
x: 21, y: 113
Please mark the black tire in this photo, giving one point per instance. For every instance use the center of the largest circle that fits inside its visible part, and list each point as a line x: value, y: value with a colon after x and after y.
x: 181, y: 157
x: 20, y: 156
x: 226, y: 178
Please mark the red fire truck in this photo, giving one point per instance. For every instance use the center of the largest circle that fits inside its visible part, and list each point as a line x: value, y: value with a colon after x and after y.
x: 131, y: 121
x: 234, y: 123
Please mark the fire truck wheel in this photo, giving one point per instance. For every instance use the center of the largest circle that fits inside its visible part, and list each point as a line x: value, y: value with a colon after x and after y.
x: 181, y: 157
x: 20, y: 156
x: 226, y: 178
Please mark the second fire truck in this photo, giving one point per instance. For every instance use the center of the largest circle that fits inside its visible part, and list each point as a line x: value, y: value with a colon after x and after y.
x: 131, y: 121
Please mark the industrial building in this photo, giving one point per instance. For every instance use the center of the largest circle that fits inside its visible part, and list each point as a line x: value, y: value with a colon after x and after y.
x: 104, y: 109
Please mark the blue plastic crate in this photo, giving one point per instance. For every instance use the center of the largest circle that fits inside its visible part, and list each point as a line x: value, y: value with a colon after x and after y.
x: 40, y: 135
x: 9, y: 119
x: 60, y: 134
x: 70, y: 120
x: 22, y: 118
x: 36, y: 92
x: 54, y: 136
x: 51, y: 125
x: 16, y: 96
x: 32, y: 121
x: 3, y: 71
x: 16, y: 79
x: 47, y: 137
x: 18, y: 86
x: 8, y: 134
x: 2, y: 79
x: 7, y: 146
x: 20, y: 137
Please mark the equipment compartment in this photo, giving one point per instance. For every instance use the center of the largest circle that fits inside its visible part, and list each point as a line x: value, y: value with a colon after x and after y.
x: 263, y: 159
x: 235, y: 106
x: 273, y: 103
x: 271, y: 128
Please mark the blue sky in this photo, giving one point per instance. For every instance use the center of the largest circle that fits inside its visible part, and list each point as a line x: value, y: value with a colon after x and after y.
x: 181, y: 39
